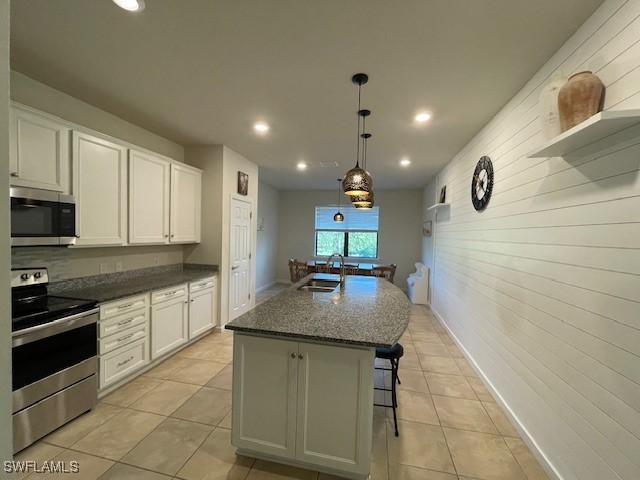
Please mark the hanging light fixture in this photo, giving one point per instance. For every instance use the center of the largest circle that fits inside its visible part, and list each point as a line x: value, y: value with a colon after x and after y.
x: 357, y: 181
x: 363, y: 201
x: 339, y: 217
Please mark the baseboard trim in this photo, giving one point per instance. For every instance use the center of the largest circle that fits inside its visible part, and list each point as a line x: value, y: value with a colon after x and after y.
x: 264, y: 287
x: 544, y: 461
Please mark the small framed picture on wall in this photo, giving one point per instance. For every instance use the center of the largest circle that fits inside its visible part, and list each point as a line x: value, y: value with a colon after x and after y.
x: 243, y: 183
x: 427, y: 228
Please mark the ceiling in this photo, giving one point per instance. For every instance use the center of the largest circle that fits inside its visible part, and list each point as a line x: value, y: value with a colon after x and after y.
x: 203, y: 71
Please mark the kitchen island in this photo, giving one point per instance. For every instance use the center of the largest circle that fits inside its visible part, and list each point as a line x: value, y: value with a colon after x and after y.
x: 303, y: 372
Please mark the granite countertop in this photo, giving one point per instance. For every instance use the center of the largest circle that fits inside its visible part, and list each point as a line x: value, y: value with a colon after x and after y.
x: 368, y: 311
x: 112, y: 286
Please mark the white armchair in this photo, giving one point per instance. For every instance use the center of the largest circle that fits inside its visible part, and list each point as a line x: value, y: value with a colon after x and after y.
x: 418, y: 285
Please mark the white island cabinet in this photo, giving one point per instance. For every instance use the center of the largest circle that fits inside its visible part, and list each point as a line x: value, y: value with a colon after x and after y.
x: 303, y: 372
x: 310, y: 404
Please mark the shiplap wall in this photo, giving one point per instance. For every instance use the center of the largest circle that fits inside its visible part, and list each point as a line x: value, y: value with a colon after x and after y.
x: 542, y: 289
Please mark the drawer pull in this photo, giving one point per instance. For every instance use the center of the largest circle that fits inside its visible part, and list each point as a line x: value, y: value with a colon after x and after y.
x: 127, y: 305
x: 124, y: 322
x: 121, y: 339
x: 170, y: 294
x: 125, y: 362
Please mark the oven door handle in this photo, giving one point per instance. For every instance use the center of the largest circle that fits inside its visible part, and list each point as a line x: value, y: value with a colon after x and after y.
x: 32, y: 334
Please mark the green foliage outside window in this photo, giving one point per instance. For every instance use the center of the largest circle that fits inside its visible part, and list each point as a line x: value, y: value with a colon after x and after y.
x: 351, y: 244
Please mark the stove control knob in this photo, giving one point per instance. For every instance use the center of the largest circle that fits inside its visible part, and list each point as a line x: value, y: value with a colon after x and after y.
x: 37, y: 275
x: 25, y: 276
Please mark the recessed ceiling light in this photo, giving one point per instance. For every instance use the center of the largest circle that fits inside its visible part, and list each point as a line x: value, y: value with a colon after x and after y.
x: 423, y: 117
x: 405, y: 162
x: 261, y: 127
x: 130, y: 5
x: 301, y: 166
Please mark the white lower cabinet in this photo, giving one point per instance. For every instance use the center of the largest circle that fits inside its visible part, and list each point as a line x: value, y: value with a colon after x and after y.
x: 306, y: 403
x: 123, y: 344
x: 169, y: 320
x: 123, y: 362
x: 203, y: 311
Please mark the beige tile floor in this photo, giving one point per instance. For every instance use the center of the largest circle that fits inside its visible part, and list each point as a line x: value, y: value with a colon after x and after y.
x: 173, y: 422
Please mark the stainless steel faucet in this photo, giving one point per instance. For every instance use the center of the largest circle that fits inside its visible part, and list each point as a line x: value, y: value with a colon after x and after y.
x: 342, y: 271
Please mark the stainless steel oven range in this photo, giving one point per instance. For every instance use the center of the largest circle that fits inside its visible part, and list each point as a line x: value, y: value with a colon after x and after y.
x: 54, y: 353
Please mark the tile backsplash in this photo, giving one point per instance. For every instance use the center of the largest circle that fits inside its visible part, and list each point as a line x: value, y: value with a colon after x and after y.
x: 65, y: 263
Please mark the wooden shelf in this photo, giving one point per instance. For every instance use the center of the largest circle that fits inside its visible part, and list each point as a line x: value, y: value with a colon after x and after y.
x: 438, y: 205
x: 596, y: 128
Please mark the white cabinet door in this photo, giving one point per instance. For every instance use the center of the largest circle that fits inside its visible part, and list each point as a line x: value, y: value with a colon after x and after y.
x: 100, y: 188
x: 202, y: 312
x: 335, y: 407
x: 169, y: 326
x: 186, y: 184
x: 264, y: 395
x: 148, y: 198
x: 39, y: 154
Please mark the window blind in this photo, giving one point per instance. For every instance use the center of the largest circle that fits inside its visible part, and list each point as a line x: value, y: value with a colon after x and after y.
x: 354, y: 219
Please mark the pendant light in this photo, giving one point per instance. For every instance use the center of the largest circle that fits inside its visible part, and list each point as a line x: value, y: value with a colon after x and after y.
x: 339, y: 217
x: 357, y: 181
x: 363, y: 201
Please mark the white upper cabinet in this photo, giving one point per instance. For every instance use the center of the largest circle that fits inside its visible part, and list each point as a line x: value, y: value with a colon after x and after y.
x: 148, y: 198
x: 39, y: 155
x: 186, y: 184
x: 100, y: 188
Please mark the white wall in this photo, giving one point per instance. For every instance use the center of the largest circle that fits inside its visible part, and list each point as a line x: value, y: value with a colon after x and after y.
x: 35, y: 94
x: 543, y: 288
x: 220, y: 167
x: 6, y: 442
x: 234, y: 162
x: 70, y: 263
x: 399, y: 238
x: 267, y: 238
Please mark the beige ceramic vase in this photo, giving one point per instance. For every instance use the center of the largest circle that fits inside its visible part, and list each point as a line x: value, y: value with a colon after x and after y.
x: 580, y: 98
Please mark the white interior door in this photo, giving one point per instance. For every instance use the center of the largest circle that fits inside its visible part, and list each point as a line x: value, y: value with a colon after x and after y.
x: 240, y: 258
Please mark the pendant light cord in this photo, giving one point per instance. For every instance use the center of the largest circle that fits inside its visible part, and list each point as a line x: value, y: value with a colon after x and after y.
x: 364, y: 144
x: 358, y: 134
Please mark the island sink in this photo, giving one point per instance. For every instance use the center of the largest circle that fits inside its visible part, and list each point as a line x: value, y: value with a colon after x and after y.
x: 319, y: 285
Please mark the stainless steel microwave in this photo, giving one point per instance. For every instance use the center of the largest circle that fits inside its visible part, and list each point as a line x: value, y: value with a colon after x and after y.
x: 42, y: 217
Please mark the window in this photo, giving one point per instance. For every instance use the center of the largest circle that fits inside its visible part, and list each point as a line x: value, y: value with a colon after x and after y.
x: 357, y: 236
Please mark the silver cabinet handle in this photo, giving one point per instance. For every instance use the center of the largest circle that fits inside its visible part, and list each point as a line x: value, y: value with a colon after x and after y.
x: 293, y: 355
x: 166, y: 235
x: 126, y: 305
x: 300, y: 356
x: 14, y: 174
x: 235, y: 267
x: 125, y: 362
x: 121, y: 339
x: 124, y: 322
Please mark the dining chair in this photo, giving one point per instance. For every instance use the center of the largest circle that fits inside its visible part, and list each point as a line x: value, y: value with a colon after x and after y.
x: 297, y: 270
x: 384, y: 271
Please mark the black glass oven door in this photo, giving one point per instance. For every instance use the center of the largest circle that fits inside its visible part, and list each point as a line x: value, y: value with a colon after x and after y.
x: 41, y: 358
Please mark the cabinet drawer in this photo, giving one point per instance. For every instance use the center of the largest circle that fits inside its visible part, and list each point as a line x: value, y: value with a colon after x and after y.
x: 123, y: 322
x: 122, y: 306
x: 110, y: 343
x: 202, y: 284
x: 172, y: 293
x: 122, y: 362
